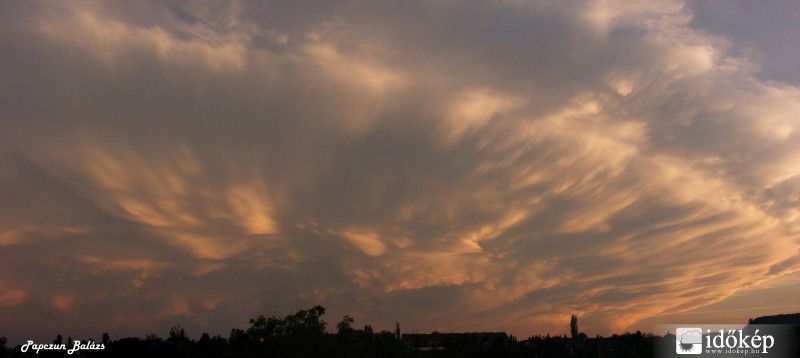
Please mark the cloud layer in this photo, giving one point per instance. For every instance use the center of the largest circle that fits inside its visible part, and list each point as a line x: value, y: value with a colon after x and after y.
x: 453, y: 166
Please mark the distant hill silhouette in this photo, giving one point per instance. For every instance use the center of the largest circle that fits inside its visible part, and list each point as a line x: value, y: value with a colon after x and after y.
x: 790, y: 318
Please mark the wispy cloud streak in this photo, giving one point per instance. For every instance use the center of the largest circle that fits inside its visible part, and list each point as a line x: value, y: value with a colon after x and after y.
x: 461, y: 167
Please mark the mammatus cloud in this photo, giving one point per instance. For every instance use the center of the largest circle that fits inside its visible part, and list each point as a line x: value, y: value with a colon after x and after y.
x: 492, y: 167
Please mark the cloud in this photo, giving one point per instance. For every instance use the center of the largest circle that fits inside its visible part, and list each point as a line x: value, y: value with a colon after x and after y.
x: 482, y: 167
x: 12, y: 296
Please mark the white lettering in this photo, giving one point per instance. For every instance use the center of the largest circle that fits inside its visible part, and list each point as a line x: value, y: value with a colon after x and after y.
x: 728, y: 341
x: 755, y: 338
x: 743, y: 340
x: 721, y: 340
x: 768, y: 342
x: 30, y: 345
x: 75, y: 347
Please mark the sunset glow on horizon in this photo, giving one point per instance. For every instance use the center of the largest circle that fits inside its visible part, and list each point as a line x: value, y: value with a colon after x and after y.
x: 452, y: 166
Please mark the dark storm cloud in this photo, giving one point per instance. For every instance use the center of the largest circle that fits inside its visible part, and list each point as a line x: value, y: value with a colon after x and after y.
x: 459, y: 166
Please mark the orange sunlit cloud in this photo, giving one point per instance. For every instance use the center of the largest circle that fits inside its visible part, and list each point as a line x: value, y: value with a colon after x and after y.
x: 493, y: 168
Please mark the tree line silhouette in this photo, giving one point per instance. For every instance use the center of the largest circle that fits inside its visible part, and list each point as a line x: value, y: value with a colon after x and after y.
x: 304, y: 334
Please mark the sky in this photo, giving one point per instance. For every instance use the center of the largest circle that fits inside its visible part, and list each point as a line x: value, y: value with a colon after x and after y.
x: 449, y: 165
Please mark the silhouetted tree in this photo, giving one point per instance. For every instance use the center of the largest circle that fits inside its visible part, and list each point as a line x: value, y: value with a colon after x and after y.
x: 178, y: 344
x: 300, y: 334
x: 240, y: 343
x: 152, y: 337
x: 177, y: 334
x: 212, y: 346
x: 345, y: 324
x: 349, y: 342
x: 369, y: 336
x: 387, y: 345
x: 573, y: 327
